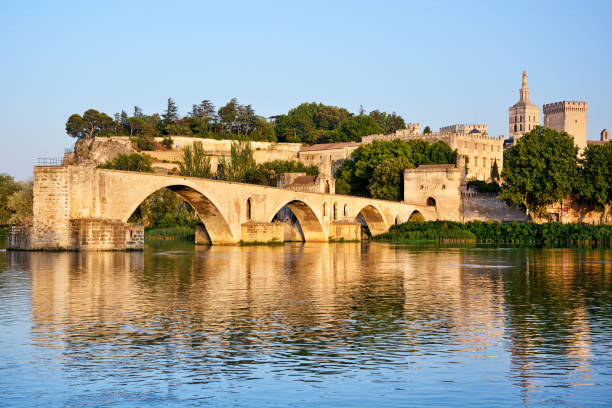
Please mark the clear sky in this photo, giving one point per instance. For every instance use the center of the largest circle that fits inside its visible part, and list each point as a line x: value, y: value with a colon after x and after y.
x: 436, y: 63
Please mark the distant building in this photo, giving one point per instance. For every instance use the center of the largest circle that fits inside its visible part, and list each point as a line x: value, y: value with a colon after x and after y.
x: 604, y: 137
x: 523, y: 116
x: 570, y: 117
x: 463, y: 129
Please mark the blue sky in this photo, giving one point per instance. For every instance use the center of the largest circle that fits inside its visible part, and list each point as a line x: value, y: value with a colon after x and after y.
x: 435, y: 63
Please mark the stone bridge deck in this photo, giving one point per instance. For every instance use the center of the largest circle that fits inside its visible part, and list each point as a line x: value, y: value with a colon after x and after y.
x: 88, y: 208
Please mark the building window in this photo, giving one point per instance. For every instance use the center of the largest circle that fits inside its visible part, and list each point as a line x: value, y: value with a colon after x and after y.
x: 249, y: 209
x: 431, y: 202
x: 324, y: 209
x: 335, y: 211
x: 346, y: 210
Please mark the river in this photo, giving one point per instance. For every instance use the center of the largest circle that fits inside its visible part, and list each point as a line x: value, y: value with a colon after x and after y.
x: 307, y: 325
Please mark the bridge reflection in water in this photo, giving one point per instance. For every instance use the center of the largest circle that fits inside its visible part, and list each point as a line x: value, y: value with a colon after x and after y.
x: 505, y: 319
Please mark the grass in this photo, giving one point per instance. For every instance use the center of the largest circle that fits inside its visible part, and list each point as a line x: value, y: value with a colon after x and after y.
x: 272, y: 242
x: 173, y: 233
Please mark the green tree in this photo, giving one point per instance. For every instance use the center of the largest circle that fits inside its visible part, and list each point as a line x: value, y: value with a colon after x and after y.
x: 8, y: 187
x: 540, y: 169
x: 426, y: 130
x: 21, y: 203
x: 354, y: 128
x: 129, y: 162
x: 595, y: 178
x: 495, y: 171
x: 171, y: 113
x: 195, y: 162
x: 358, y: 173
x: 389, y: 123
x: 89, y: 125
x: 240, y: 164
x: 135, y: 124
x: 387, y: 181
x: 228, y: 114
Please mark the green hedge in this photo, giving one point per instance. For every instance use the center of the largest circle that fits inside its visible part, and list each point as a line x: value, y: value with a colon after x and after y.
x: 525, y: 233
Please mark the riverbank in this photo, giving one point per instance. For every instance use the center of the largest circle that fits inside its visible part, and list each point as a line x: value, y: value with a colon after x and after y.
x: 173, y: 233
x: 519, y: 233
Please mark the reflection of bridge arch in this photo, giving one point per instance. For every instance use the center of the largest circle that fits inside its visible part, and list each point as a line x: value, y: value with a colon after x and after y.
x: 375, y: 220
x: 309, y: 222
x: 217, y: 227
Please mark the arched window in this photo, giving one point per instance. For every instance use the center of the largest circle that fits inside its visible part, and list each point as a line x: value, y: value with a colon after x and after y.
x: 249, y: 209
x: 515, y: 127
x: 346, y: 210
x: 324, y: 209
x: 335, y: 211
x: 327, y: 186
x: 431, y: 202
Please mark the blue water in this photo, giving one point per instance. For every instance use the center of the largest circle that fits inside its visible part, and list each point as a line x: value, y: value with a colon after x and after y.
x: 310, y: 325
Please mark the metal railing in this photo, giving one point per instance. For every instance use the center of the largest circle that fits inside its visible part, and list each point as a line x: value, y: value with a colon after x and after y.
x: 49, y: 161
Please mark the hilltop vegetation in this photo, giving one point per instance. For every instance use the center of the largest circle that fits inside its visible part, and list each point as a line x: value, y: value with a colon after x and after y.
x: 307, y: 123
x: 376, y: 169
x: 15, y: 200
x: 544, y: 167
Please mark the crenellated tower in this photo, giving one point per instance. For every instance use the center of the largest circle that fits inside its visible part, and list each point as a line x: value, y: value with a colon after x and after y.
x: 570, y: 117
x: 523, y: 115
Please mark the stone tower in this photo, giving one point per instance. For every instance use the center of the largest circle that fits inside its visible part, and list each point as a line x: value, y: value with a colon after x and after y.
x: 570, y: 117
x: 523, y: 115
x: 604, y: 136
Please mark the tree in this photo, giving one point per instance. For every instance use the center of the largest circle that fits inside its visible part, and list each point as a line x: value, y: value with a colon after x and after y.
x: 90, y: 124
x: 495, y: 171
x: 228, y: 114
x: 426, y: 130
x: 389, y: 123
x: 129, y: 162
x: 595, y: 178
x: 241, y: 162
x: 8, y: 187
x: 358, y: 173
x: 195, y: 162
x: 540, y: 169
x: 138, y: 112
x: 135, y: 124
x: 387, y: 181
x: 21, y: 203
x: 171, y: 113
x: 354, y: 128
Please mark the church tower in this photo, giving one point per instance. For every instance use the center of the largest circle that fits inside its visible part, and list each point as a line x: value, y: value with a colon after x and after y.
x: 523, y: 115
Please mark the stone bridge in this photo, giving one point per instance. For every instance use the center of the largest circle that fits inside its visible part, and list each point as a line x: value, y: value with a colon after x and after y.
x: 88, y: 208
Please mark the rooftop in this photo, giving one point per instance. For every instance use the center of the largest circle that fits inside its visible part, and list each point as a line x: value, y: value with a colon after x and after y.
x: 329, y: 146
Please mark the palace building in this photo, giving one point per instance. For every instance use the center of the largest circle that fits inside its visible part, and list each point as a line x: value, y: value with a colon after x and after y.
x: 523, y: 115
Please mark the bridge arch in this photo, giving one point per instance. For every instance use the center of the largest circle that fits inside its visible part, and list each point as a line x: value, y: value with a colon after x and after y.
x: 216, y: 225
x: 374, y: 220
x: 311, y: 226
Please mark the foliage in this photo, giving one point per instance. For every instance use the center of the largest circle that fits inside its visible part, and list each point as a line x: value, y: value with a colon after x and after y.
x: 164, y: 208
x: 195, y: 162
x: 89, y: 125
x: 483, y: 187
x: 21, y: 203
x: 387, y: 179
x: 129, y: 162
x: 541, y: 168
x: 526, y: 233
x: 495, y: 171
x: 167, y: 142
x: 318, y: 123
x: 389, y: 123
x: 174, y: 232
x: 265, y: 173
x: 8, y: 186
x: 143, y: 143
x: 427, y: 130
x: 358, y: 173
x: 595, y: 178
x: 240, y: 164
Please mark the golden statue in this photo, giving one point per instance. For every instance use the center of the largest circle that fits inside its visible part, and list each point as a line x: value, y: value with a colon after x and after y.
x: 524, y: 79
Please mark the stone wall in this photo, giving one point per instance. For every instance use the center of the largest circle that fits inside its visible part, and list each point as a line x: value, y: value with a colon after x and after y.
x: 485, y: 207
x: 18, y: 237
x: 345, y: 231
x: 262, y: 232
x: 436, y: 186
x: 201, y: 235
